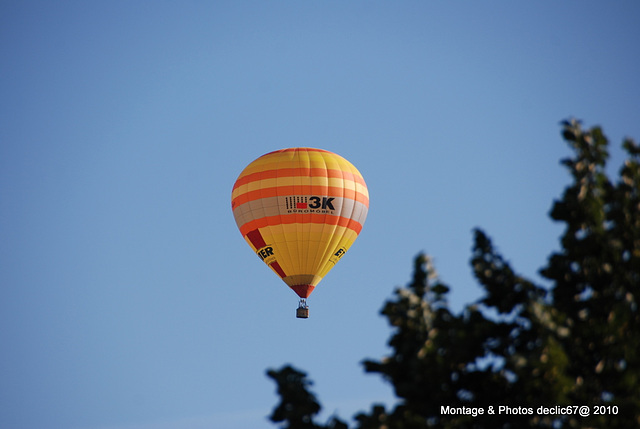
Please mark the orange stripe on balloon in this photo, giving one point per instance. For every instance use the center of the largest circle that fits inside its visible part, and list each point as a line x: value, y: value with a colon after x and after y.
x: 285, y: 191
x: 299, y: 172
x: 298, y: 149
x: 301, y: 218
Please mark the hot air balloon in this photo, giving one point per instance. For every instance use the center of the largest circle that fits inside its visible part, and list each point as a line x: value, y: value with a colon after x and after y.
x: 300, y: 210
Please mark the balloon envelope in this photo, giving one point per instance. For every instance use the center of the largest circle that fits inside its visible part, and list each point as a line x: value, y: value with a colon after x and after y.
x: 300, y: 210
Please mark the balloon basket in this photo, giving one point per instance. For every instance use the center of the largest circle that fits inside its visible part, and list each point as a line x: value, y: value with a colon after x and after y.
x: 302, y: 312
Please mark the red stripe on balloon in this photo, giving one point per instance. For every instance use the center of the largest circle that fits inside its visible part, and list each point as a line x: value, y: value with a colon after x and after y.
x: 256, y: 239
x: 278, y: 269
x: 303, y: 291
x: 258, y: 242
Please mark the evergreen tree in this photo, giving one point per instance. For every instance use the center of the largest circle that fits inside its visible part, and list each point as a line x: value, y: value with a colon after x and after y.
x: 521, y: 346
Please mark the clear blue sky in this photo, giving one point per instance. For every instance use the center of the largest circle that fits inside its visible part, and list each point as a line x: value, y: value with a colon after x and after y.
x: 129, y: 300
